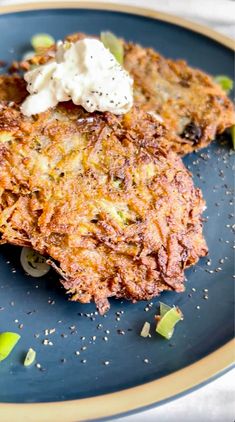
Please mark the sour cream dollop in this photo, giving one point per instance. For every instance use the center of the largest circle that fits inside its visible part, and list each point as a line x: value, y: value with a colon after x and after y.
x: 84, y: 72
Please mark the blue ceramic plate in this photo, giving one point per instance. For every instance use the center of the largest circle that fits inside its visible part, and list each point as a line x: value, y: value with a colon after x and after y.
x: 90, y: 355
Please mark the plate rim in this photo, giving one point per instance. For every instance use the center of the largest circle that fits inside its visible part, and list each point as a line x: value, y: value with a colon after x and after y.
x: 125, y: 401
x: 165, y: 388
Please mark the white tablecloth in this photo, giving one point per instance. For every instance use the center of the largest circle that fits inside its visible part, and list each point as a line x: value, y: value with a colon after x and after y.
x: 214, y: 402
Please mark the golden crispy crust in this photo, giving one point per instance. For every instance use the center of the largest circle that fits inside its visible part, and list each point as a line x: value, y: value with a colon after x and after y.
x: 12, y: 88
x: 98, y: 194
x: 192, y: 105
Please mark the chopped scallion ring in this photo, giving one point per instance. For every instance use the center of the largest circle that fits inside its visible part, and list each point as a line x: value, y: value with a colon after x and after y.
x: 164, y: 309
x: 225, y: 82
x: 114, y: 45
x: 145, y: 330
x: 33, y: 263
x: 39, y: 41
x: 8, y: 341
x: 30, y: 357
x: 166, y: 324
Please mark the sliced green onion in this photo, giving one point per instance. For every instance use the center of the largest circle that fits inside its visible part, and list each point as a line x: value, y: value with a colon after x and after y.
x: 8, y: 341
x: 33, y: 263
x: 166, y: 324
x: 164, y: 309
x: 30, y: 357
x: 225, y: 82
x: 42, y: 41
x: 232, y: 131
x: 145, y: 330
x: 114, y: 45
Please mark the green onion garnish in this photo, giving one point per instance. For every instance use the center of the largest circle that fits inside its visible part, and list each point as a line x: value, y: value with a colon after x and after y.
x: 33, y: 263
x: 167, y: 322
x: 30, y: 357
x: 114, y: 45
x: 39, y: 41
x: 8, y: 341
x: 145, y: 330
x: 164, y: 309
x: 232, y: 131
x: 225, y: 83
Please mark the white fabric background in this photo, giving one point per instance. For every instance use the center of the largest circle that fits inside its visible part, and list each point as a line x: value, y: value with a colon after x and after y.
x: 214, y: 402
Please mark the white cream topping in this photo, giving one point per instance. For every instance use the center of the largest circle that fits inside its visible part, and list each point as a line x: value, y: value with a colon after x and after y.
x: 84, y: 72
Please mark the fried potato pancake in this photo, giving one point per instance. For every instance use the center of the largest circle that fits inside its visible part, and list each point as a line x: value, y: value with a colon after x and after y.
x: 191, y: 103
x: 194, y: 107
x: 116, y: 215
